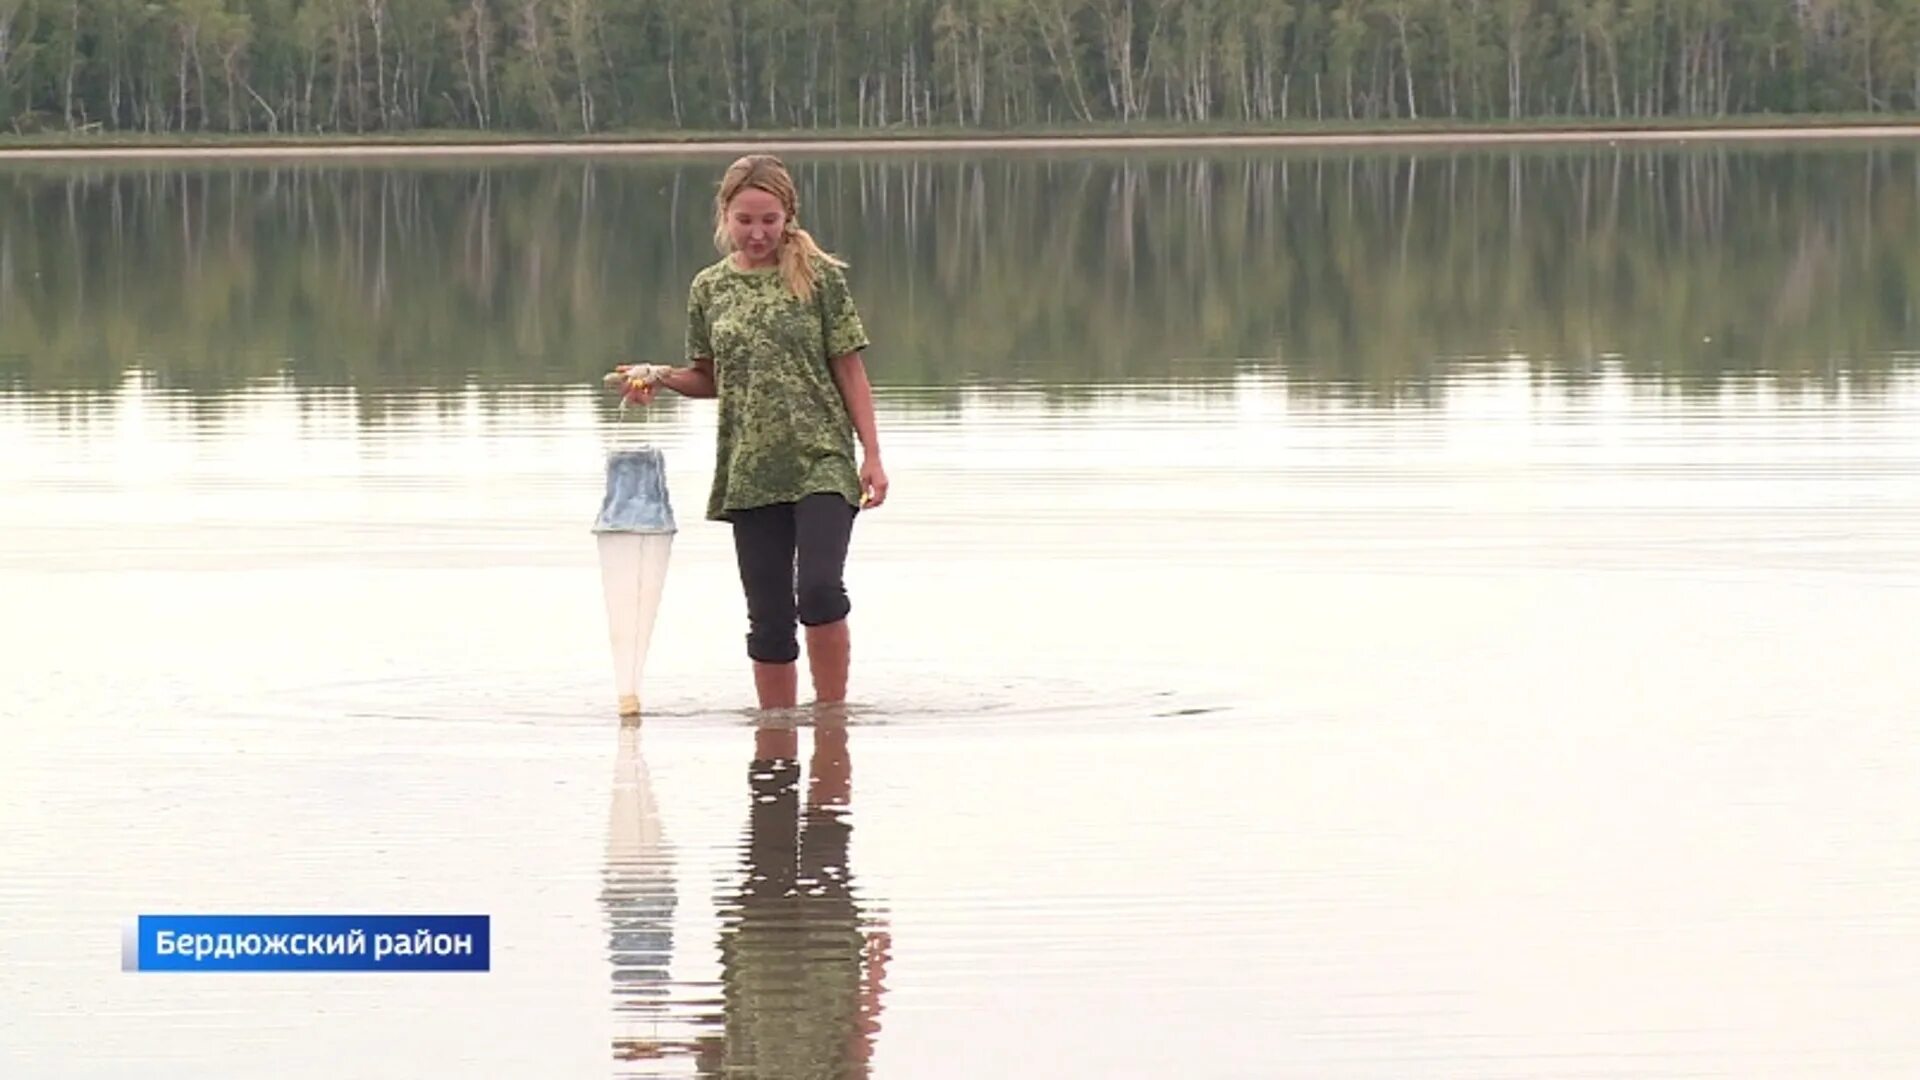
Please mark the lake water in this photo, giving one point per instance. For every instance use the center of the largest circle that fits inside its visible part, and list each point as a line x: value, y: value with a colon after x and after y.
x: 1374, y: 616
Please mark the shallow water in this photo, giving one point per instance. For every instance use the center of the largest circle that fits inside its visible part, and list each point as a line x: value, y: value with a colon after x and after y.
x: 1486, y: 710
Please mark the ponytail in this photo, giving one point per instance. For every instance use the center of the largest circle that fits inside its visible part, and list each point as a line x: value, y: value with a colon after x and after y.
x: 797, y: 251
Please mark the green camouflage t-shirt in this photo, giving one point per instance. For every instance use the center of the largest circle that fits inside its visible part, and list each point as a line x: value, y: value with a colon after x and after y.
x: 784, y: 428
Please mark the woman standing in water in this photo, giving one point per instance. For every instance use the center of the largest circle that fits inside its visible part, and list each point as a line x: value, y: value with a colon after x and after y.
x: 773, y: 333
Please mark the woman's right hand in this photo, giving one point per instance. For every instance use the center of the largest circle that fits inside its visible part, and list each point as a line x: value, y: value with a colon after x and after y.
x: 640, y: 393
x: 639, y: 383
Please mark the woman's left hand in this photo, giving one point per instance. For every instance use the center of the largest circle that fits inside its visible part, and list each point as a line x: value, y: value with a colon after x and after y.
x: 873, y: 483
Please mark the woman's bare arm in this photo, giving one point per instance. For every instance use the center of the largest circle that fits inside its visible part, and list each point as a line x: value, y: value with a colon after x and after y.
x: 694, y: 382
x: 850, y: 374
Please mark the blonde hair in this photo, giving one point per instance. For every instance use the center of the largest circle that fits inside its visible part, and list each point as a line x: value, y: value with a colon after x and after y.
x: 798, y: 248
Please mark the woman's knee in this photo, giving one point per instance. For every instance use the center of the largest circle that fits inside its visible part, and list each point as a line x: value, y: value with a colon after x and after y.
x: 771, y: 642
x: 823, y: 601
x: 770, y: 617
x: 764, y: 545
x: 823, y: 523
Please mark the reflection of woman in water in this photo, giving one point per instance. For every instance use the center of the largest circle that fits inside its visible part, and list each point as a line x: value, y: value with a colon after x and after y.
x: 802, y: 976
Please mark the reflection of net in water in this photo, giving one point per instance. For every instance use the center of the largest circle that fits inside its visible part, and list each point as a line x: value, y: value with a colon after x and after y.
x: 635, y: 531
x: 639, y: 896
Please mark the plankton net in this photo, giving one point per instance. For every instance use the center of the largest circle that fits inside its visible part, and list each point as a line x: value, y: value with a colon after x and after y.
x: 635, y: 532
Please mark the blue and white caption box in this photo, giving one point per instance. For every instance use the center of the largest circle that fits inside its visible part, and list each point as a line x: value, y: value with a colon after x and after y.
x: 306, y: 943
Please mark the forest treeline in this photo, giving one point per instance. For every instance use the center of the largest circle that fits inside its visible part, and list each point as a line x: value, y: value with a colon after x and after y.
x: 587, y: 66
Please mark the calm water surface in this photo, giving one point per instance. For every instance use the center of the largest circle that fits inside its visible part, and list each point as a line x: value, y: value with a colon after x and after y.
x: 1338, y: 617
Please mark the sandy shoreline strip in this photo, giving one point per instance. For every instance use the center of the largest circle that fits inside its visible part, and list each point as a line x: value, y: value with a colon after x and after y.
x: 992, y: 144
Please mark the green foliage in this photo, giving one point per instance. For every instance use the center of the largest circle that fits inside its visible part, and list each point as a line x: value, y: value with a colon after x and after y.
x: 575, y: 66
